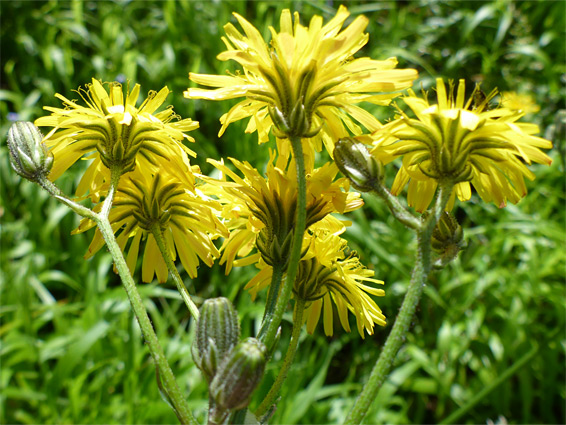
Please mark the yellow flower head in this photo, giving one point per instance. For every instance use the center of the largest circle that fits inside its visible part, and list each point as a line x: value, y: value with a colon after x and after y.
x: 307, y: 84
x: 461, y: 142
x: 113, y: 130
x: 519, y: 102
x: 328, y: 275
x: 186, y: 219
x: 260, y: 211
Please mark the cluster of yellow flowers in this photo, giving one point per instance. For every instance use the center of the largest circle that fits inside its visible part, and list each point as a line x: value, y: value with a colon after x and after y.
x: 304, y: 84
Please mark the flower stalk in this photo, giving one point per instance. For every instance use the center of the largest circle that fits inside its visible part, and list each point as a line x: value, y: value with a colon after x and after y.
x: 272, y: 296
x: 404, y: 318
x: 160, y: 240
x: 166, y: 374
x: 298, y: 234
x: 269, y: 399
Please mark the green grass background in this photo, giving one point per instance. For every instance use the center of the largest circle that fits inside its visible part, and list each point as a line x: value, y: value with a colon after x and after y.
x: 70, y: 349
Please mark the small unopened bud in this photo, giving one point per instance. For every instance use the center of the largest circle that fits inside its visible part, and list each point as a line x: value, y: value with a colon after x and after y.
x: 447, y: 236
x: 239, y: 375
x: 218, y: 331
x: 29, y: 156
x: 355, y: 162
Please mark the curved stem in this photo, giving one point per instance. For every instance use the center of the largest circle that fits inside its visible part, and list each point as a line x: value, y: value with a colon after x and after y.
x: 295, y: 256
x: 404, y: 318
x: 54, y: 191
x: 272, y: 295
x: 397, y: 209
x: 269, y: 399
x: 158, y: 235
x: 176, y: 397
x: 168, y: 378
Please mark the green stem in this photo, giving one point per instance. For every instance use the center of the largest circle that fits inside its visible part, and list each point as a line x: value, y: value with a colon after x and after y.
x: 269, y: 399
x: 177, y: 400
x: 455, y: 417
x: 54, y: 191
x: 397, y: 209
x: 404, y: 318
x: 272, y: 295
x: 158, y: 235
x: 168, y: 378
x: 115, y: 173
x: 295, y: 256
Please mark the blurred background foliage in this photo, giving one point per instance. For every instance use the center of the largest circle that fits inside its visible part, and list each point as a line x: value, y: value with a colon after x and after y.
x: 488, y: 340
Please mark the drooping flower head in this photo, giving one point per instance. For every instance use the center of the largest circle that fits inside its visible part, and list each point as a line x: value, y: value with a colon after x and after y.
x: 461, y: 142
x: 306, y: 83
x: 184, y: 217
x: 260, y: 211
x: 329, y: 275
x: 113, y: 131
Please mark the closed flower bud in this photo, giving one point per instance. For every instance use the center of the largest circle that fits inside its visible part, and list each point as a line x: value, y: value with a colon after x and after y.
x: 447, y: 236
x: 239, y: 375
x: 355, y: 162
x: 29, y: 156
x: 218, y: 331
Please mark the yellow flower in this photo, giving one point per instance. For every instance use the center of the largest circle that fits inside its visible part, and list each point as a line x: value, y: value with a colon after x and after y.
x: 307, y: 83
x: 328, y: 275
x: 260, y: 211
x: 523, y: 102
x: 112, y: 131
x: 186, y: 219
x: 461, y: 142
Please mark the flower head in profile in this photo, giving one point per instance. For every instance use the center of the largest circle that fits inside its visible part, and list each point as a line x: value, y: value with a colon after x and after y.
x: 306, y: 83
x: 113, y: 131
x: 461, y: 142
x: 328, y: 275
x: 145, y: 203
x: 260, y: 211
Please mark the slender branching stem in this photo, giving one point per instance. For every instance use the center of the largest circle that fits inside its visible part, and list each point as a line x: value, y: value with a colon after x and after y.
x: 169, y: 383
x: 165, y: 253
x: 300, y: 224
x: 54, y: 191
x: 399, y: 211
x: 270, y: 398
x: 404, y: 318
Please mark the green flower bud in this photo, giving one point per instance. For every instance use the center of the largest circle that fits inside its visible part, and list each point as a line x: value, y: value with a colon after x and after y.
x: 29, y: 156
x: 447, y: 236
x: 218, y: 331
x: 354, y: 161
x: 239, y: 375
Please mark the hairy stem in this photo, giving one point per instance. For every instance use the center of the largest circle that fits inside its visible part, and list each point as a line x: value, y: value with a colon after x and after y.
x: 295, y: 256
x: 174, y: 393
x: 54, y: 191
x: 404, y: 318
x: 397, y: 209
x: 269, y: 399
x: 272, y: 295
